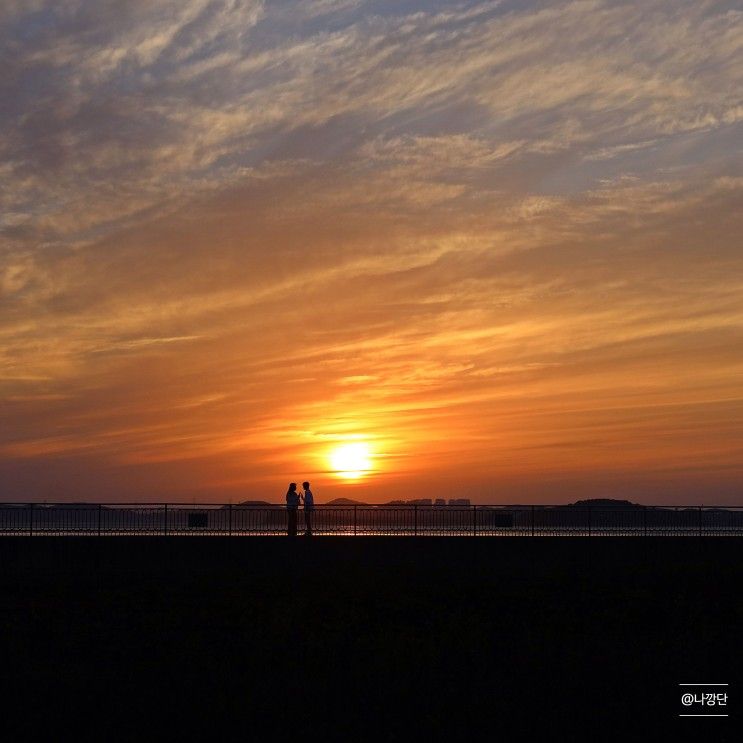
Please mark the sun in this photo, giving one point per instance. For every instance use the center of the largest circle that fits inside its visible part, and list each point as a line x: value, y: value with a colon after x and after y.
x: 351, y: 461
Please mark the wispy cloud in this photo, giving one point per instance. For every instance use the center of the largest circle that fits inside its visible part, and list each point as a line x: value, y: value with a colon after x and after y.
x: 499, y: 237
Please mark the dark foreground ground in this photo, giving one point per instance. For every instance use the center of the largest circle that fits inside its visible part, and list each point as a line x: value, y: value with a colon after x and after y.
x: 395, y: 638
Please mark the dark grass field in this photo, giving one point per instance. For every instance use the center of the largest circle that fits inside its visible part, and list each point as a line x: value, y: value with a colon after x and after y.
x: 394, y: 638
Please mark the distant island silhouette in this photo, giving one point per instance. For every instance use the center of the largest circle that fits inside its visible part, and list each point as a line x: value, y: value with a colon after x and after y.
x: 598, y: 503
x: 587, y: 503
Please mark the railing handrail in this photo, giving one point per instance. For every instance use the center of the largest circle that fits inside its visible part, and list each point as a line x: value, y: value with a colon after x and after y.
x: 410, y: 519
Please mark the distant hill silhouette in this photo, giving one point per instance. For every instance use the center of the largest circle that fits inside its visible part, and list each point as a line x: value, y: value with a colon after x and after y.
x: 602, y: 503
x: 346, y: 502
x: 251, y: 504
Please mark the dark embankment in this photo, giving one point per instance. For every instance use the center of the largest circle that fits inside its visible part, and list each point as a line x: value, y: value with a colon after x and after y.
x: 408, y: 638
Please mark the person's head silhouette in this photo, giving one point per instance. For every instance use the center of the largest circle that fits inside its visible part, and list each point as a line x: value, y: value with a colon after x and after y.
x: 306, y: 485
x: 292, y: 487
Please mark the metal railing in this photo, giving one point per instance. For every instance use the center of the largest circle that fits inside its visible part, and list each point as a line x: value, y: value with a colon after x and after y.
x: 179, y: 519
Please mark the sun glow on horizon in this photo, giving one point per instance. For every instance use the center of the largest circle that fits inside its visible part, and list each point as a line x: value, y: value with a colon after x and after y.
x: 351, y: 461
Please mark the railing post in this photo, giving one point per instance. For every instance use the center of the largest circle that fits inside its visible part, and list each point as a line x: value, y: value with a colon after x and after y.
x: 700, y: 521
x: 165, y: 522
x: 99, y: 519
x: 415, y: 519
x: 30, y: 519
x: 589, y: 522
x: 229, y: 528
x: 644, y: 521
x: 474, y: 521
x: 532, y: 520
x: 354, y: 520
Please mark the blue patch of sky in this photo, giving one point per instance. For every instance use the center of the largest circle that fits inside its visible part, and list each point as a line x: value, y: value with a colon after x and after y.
x: 658, y: 160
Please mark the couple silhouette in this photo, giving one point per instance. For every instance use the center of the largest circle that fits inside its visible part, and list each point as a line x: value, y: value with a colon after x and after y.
x: 293, y: 499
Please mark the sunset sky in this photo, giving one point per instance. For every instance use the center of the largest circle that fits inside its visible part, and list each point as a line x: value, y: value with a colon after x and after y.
x: 495, y: 246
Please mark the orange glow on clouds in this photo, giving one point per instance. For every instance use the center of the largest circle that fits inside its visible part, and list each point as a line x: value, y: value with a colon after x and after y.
x: 254, y: 244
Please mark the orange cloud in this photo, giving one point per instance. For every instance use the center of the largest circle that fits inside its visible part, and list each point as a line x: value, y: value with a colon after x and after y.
x: 232, y: 239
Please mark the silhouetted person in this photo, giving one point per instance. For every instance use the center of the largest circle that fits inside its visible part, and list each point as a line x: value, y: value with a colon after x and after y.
x: 309, y: 507
x: 292, y: 504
